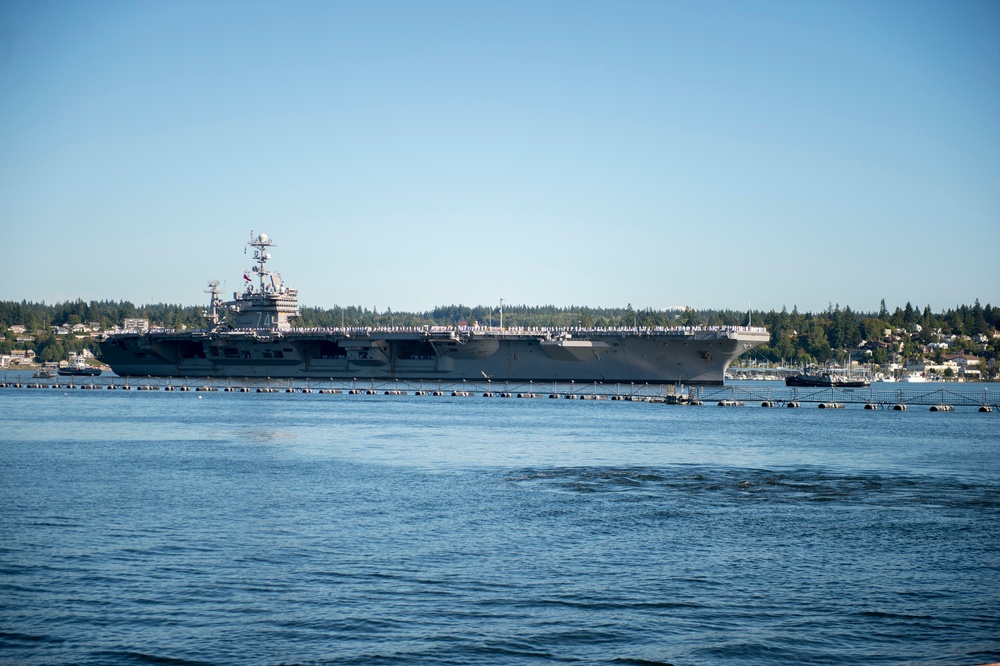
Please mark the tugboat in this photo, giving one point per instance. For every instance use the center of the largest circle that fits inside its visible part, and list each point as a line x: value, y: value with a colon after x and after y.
x: 79, y: 368
x: 824, y: 380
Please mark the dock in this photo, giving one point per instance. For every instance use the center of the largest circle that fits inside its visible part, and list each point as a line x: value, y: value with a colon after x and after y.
x: 938, y: 399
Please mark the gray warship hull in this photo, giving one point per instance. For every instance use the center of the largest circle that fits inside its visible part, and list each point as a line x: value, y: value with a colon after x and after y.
x: 251, y: 336
x: 692, y: 356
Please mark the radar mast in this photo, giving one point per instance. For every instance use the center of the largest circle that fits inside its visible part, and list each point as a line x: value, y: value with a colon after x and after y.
x: 268, y: 280
x: 211, y: 315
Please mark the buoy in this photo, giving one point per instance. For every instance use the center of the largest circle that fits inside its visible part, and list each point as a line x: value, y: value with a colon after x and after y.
x: 793, y: 405
x: 942, y: 408
x: 899, y: 407
x: 986, y: 408
x: 871, y: 405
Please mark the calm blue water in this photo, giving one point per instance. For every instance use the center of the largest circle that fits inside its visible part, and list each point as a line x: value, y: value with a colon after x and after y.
x: 218, y: 528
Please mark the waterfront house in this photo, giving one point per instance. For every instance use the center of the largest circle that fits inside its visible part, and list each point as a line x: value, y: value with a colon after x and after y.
x: 968, y: 365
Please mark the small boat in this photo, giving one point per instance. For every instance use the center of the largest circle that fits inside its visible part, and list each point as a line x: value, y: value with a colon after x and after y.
x: 79, y: 368
x: 44, y: 374
x: 914, y: 379
x: 824, y: 380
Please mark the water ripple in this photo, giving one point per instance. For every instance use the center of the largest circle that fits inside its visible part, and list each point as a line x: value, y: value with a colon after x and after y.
x: 380, y: 532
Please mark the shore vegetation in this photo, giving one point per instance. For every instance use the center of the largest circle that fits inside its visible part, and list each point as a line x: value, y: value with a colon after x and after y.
x: 901, y: 335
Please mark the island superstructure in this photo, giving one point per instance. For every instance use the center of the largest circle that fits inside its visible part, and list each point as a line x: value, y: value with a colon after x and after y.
x: 252, y: 336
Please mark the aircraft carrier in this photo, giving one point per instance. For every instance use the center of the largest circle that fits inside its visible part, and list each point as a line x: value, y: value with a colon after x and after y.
x: 252, y: 336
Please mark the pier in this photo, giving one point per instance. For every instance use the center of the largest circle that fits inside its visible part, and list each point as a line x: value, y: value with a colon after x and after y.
x: 936, y: 398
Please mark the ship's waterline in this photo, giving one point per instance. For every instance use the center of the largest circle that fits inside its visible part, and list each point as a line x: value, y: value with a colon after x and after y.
x: 251, y: 336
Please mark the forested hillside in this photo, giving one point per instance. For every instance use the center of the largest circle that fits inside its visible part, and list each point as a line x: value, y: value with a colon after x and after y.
x: 796, y: 337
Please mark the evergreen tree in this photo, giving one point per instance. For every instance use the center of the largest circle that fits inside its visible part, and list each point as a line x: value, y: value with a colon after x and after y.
x: 979, y: 325
x: 817, y: 344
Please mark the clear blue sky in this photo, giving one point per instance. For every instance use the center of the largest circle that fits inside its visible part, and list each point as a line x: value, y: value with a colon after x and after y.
x: 410, y: 154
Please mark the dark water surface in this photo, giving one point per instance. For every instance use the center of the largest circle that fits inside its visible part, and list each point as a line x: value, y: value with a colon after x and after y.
x: 219, y: 528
